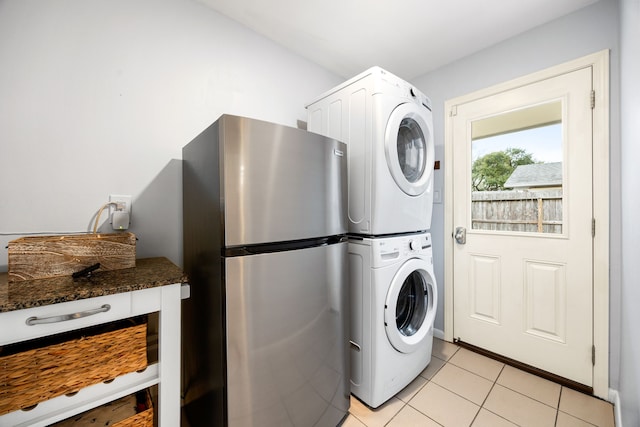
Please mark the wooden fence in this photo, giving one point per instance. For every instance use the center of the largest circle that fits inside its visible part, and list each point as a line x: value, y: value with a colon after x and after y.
x: 529, y: 211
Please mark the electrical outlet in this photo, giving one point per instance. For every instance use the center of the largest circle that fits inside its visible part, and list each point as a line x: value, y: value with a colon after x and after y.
x: 123, y: 203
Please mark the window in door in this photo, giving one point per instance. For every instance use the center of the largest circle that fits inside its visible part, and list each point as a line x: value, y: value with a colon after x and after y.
x: 517, y: 170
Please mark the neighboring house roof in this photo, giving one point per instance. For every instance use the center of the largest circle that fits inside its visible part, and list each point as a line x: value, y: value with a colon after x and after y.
x: 535, y: 175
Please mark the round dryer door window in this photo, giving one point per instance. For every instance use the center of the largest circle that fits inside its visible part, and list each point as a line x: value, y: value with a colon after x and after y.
x: 409, y: 148
x: 410, y: 307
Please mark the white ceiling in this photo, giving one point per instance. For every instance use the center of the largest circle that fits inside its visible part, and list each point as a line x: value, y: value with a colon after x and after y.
x: 406, y: 37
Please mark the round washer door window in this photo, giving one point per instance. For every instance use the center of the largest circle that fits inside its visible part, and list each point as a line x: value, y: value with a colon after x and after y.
x: 410, y: 306
x: 409, y: 148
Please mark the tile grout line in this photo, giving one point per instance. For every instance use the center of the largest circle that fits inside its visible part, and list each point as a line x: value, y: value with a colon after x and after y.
x: 407, y: 403
x: 487, y: 396
x: 459, y: 395
x: 482, y: 405
x: 452, y: 392
x: 396, y: 414
x: 428, y: 380
x: 478, y: 375
x: 490, y: 390
x: 579, y: 417
x: 462, y: 397
x: 527, y: 397
x: 495, y: 382
x: 560, y: 396
x: 558, y: 410
x: 557, y: 407
x: 418, y: 410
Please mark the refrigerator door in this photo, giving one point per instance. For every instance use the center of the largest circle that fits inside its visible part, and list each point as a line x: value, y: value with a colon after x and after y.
x: 280, y: 183
x: 287, y: 325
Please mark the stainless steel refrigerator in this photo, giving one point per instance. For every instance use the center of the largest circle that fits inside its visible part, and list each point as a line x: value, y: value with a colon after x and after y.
x: 265, y: 331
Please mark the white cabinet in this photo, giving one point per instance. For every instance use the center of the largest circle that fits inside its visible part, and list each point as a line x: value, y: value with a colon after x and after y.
x: 89, y: 312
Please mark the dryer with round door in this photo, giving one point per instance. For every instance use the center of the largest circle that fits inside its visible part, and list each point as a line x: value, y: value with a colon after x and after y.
x: 393, y: 307
x: 388, y: 127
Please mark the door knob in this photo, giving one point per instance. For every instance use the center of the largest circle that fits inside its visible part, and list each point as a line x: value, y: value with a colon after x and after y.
x: 461, y: 235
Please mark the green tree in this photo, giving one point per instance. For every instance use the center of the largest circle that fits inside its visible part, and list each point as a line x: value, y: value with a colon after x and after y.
x: 491, y: 171
x: 519, y: 157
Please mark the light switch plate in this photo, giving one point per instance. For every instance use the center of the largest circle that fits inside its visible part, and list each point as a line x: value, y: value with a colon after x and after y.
x: 437, y: 196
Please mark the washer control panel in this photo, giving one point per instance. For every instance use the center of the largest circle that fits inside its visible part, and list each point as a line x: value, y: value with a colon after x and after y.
x: 390, y: 249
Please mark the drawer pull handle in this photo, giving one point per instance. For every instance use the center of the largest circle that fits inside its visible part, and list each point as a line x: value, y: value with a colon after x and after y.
x: 64, y: 317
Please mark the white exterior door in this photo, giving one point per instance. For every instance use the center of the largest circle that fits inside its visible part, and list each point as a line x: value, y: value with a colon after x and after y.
x: 523, y: 261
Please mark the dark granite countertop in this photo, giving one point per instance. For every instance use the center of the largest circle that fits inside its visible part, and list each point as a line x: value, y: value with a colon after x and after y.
x: 148, y: 273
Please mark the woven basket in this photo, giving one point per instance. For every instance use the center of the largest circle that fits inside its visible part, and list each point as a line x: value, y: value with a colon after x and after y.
x: 38, y: 257
x: 120, y: 413
x: 141, y: 419
x: 32, y: 376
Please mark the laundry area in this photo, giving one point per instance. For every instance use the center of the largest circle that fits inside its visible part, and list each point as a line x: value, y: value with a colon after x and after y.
x: 303, y: 235
x: 346, y: 214
x: 387, y: 125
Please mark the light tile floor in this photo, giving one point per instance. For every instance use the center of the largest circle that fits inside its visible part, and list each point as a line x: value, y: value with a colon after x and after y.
x: 461, y: 388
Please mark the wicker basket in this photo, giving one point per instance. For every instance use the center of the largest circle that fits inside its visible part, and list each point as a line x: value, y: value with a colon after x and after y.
x: 35, y: 375
x: 135, y: 410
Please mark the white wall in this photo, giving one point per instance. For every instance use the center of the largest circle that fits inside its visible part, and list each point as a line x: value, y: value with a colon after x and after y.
x: 99, y: 97
x: 586, y: 31
x: 629, y: 386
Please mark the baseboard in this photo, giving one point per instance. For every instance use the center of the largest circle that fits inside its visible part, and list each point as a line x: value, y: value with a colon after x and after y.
x: 437, y: 333
x: 614, y: 397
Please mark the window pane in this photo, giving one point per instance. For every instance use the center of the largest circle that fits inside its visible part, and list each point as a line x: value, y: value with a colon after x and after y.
x: 516, y: 176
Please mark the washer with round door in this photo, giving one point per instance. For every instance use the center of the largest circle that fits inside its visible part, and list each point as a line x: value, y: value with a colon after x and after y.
x: 393, y: 302
x: 387, y: 125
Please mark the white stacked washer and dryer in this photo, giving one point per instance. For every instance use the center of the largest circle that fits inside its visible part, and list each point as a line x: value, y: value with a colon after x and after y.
x: 387, y: 125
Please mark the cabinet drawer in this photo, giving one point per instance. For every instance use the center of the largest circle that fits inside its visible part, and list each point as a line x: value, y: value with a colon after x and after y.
x: 66, y: 316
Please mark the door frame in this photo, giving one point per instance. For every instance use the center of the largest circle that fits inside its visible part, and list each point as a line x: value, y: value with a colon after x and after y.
x: 599, y: 63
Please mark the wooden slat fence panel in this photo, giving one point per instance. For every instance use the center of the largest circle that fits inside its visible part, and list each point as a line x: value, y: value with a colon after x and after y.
x: 528, y: 211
